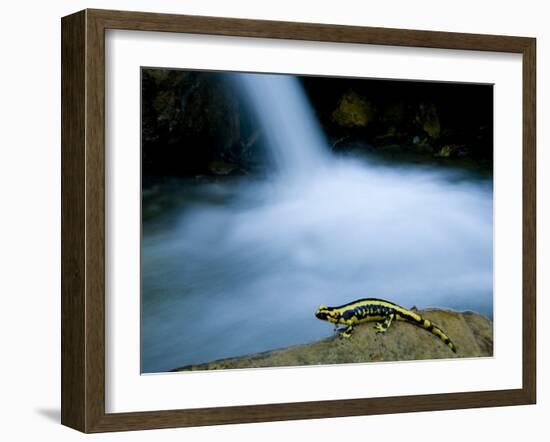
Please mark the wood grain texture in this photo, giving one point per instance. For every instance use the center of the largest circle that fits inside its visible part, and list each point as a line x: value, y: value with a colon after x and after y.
x: 145, y: 21
x: 73, y: 258
x: 83, y: 220
x: 529, y: 221
x: 307, y: 410
x: 95, y: 222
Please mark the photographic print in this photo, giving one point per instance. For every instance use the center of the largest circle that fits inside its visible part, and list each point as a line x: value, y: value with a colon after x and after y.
x: 308, y: 220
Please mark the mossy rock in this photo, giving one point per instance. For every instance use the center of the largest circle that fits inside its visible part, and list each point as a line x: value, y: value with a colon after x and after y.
x: 354, y: 111
x: 221, y: 167
x: 428, y: 119
x: 447, y: 151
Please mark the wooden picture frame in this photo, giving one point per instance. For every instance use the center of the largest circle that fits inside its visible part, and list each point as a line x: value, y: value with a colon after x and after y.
x: 83, y: 220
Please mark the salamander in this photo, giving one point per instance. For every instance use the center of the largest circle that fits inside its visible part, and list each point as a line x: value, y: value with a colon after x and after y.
x: 379, y: 311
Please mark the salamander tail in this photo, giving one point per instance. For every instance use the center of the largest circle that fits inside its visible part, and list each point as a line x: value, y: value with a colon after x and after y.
x: 434, y: 329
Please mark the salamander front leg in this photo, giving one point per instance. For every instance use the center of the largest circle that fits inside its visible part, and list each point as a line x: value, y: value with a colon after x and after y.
x: 382, y: 327
x: 346, y: 333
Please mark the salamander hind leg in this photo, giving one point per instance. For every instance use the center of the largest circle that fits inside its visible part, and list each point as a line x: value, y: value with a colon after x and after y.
x: 382, y: 327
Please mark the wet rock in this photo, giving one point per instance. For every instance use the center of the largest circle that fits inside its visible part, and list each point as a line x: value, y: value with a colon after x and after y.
x: 449, y: 150
x: 353, y: 111
x: 421, y: 146
x: 222, y: 168
x: 471, y: 332
x: 428, y: 119
x: 189, y: 120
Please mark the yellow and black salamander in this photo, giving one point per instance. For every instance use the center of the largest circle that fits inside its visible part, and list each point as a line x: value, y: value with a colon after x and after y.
x: 379, y: 311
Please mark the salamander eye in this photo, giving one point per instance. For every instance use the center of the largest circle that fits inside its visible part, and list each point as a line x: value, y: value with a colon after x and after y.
x: 322, y: 307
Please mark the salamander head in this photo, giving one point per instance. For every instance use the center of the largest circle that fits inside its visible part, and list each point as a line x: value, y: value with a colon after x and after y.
x: 327, y: 314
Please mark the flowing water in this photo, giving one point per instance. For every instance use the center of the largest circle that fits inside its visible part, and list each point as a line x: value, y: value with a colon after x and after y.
x: 239, y: 267
x: 296, y: 141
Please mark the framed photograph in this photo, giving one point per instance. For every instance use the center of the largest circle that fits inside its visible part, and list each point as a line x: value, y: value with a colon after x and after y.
x: 271, y: 220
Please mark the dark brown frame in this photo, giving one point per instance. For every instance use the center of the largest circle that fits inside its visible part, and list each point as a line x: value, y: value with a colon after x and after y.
x: 83, y: 217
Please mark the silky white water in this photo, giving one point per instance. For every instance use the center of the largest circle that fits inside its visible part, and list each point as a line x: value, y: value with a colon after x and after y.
x: 238, y: 267
x: 296, y: 142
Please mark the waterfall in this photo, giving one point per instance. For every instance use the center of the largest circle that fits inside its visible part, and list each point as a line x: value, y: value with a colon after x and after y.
x: 296, y: 141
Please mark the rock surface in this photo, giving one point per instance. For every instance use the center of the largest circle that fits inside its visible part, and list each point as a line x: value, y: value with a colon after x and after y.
x: 471, y: 332
x: 353, y: 111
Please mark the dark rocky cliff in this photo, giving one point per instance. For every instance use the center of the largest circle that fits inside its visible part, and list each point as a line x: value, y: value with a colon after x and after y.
x: 197, y: 123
